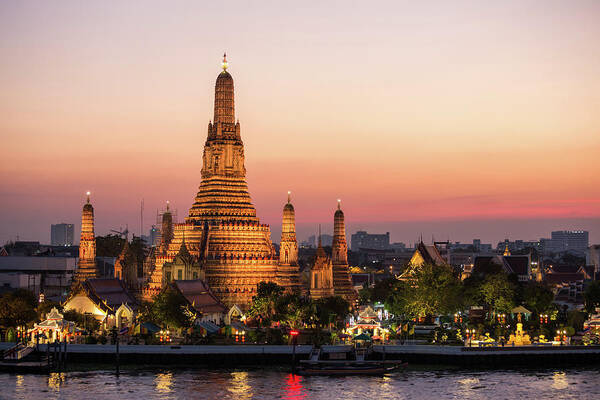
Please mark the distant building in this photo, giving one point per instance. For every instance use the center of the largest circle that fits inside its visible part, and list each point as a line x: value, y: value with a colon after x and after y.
x: 575, y: 242
x: 364, y: 240
x: 326, y: 240
x: 592, y: 257
x: 49, y: 275
x: 398, y: 246
x: 61, y: 234
x: 479, y: 247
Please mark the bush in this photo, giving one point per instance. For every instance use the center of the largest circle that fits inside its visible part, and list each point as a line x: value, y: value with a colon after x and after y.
x: 90, y: 340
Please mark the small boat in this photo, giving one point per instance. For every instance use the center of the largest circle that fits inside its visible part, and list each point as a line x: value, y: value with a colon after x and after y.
x: 345, y: 370
x: 341, y: 360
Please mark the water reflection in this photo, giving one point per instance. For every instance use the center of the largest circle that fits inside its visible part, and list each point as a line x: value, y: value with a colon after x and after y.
x: 262, y: 384
x: 55, y: 380
x: 239, y: 386
x: 293, y: 389
x: 560, y: 380
x: 163, y: 382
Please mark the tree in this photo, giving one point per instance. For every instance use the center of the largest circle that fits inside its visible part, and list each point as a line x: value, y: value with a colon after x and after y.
x: 498, y: 293
x: 264, y: 304
x: 294, y: 310
x: 537, y: 297
x: 109, y: 245
x: 432, y: 290
x: 331, y: 309
x: 17, y: 308
x: 592, y: 296
x: 82, y: 320
x: 169, y: 309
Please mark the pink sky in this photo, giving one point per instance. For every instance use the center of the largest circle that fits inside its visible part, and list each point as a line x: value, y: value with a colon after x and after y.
x: 459, y: 119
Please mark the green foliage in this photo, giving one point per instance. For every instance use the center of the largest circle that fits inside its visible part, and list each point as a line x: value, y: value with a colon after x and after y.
x: 592, y: 296
x: 331, y: 310
x: 264, y: 304
x: 82, y: 320
x: 498, y: 293
x: 537, y: 297
x: 18, y: 308
x: 294, y: 310
x: 169, y: 310
x: 432, y: 290
x: 576, y: 319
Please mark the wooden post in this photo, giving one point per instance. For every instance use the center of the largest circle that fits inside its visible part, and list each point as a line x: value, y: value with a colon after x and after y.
x: 65, y: 356
x: 54, y: 359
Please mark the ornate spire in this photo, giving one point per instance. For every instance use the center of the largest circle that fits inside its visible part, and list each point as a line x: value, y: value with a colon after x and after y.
x: 339, y: 246
x: 87, y: 245
x: 224, y: 100
x: 289, y: 197
x: 224, y: 65
x: 168, y: 203
x: 339, y: 204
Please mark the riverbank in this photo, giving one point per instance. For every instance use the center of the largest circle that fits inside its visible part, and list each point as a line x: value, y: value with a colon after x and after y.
x: 248, y: 355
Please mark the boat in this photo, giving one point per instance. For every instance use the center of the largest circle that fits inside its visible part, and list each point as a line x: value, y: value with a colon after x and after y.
x: 363, y: 368
x: 342, y: 361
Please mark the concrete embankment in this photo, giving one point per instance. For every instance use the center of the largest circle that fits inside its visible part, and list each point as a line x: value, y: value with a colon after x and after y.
x: 224, y: 356
x: 492, y: 357
x: 241, y: 355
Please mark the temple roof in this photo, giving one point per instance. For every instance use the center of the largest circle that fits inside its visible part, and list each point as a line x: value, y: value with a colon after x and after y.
x: 517, y: 264
x: 430, y: 254
x: 107, y: 294
x: 199, y: 295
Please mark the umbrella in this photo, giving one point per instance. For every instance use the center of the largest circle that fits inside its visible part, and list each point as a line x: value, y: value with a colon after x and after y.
x: 362, y: 336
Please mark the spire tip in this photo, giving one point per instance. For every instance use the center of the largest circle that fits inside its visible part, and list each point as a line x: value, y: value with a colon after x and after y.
x: 224, y: 65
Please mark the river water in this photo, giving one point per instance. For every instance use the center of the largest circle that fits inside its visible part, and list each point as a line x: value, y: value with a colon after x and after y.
x: 280, y: 384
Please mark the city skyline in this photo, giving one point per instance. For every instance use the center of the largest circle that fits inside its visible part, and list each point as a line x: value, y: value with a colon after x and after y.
x: 502, y: 105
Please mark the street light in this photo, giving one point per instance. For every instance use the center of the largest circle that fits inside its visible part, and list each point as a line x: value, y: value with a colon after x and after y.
x: 294, y: 334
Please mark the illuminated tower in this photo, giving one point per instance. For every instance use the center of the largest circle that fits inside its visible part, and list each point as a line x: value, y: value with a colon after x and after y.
x: 321, y: 274
x: 86, y: 269
x: 222, y: 229
x: 339, y: 257
x: 288, y: 273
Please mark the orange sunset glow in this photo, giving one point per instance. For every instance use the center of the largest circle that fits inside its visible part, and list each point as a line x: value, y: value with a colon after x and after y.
x: 424, y: 119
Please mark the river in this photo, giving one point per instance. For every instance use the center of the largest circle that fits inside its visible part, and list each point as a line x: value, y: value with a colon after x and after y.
x: 272, y: 383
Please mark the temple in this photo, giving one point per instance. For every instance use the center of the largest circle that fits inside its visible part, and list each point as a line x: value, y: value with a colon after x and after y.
x: 86, y: 267
x: 222, y: 232
x: 222, y: 242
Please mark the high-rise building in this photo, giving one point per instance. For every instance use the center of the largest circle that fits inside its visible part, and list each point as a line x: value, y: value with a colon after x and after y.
x: 61, y: 234
x: 364, y: 240
x: 576, y: 242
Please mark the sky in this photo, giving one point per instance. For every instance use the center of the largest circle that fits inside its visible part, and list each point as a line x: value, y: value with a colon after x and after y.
x: 456, y: 120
